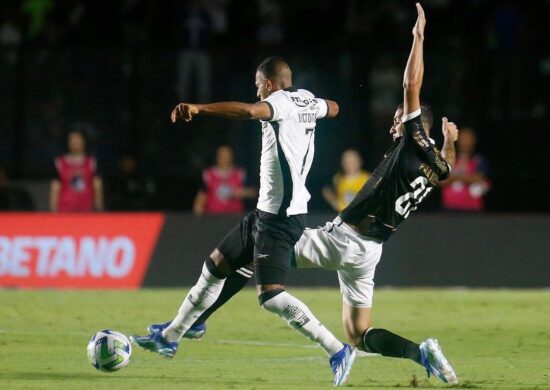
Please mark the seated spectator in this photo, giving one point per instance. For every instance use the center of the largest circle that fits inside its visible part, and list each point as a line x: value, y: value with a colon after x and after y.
x: 347, y: 182
x: 78, y: 187
x: 223, y: 188
x: 465, y: 188
x: 129, y: 189
x: 13, y: 198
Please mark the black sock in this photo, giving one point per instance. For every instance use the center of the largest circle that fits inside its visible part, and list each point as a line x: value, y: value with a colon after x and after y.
x: 388, y: 344
x: 233, y: 284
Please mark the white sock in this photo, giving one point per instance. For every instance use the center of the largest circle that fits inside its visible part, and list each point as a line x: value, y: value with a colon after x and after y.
x: 298, y: 316
x: 201, y: 296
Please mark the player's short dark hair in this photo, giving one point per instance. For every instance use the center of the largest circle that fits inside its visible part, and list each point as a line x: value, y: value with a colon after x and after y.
x: 271, y: 66
x: 426, y: 112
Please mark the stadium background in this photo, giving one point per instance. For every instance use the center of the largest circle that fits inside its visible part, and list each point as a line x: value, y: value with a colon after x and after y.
x: 110, y: 69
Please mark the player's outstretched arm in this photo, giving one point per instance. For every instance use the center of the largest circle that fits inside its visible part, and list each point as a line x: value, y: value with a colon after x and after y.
x: 414, y: 72
x: 230, y: 110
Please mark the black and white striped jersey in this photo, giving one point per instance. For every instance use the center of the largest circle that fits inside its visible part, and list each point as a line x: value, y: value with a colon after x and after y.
x: 288, y: 146
x: 409, y: 171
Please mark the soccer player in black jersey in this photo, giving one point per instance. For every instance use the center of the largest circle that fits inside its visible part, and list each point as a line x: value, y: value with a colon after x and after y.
x: 352, y: 243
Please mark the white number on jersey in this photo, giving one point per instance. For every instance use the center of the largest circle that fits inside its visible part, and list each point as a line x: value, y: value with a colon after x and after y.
x: 409, y: 201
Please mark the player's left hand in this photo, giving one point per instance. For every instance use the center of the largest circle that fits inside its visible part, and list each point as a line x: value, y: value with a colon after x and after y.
x: 449, y: 129
x: 418, y: 29
x: 184, y: 111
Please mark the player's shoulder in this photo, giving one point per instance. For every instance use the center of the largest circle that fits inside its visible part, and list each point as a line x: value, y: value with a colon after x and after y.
x: 306, y: 93
x: 293, y: 91
x: 280, y: 96
x: 415, y: 129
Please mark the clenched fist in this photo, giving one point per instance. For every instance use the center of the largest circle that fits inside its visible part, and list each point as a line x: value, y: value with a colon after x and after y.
x: 449, y: 130
x: 184, y: 111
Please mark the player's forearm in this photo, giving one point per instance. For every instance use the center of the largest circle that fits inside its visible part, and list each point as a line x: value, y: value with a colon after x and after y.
x: 449, y: 153
x: 230, y: 110
x: 414, y: 72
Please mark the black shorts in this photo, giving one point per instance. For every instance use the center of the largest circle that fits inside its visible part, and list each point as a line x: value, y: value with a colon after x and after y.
x: 266, y: 240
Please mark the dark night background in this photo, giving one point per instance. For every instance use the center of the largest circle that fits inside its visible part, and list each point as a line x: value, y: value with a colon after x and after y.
x: 114, y: 70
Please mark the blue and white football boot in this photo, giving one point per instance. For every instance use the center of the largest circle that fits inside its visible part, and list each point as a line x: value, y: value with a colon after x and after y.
x: 195, y: 332
x: 435, y: 362
x: 341, y: 363
x: 155, y: 342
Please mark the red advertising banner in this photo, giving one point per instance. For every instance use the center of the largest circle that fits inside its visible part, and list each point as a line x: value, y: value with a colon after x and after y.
x: 76, y: 250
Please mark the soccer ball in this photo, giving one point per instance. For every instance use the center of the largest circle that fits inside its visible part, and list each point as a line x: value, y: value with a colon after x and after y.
x: 109, y: 350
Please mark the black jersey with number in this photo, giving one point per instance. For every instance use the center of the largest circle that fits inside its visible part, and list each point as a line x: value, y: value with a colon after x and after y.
x: 409, y: 171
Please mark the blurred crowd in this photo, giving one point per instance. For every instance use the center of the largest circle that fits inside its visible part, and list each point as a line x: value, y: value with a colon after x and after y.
x: 111, y: 72
x: 224, y: 188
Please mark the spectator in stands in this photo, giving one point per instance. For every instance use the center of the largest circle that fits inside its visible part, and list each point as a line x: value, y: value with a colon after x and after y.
x: 78, y: 187
x: 13, y: 198
x: 347, y: 182
x: 194, y: 64
x: 223, y: 189
x: 465, y: 188
x: 270, y: 30
x: 130, y: 189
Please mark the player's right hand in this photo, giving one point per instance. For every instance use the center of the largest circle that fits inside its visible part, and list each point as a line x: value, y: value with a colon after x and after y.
x: 449, y: 129
x: 184, y: 111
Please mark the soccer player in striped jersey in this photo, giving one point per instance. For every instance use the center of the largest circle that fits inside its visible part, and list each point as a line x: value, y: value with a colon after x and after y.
x: 352, y: 243
x: 267, y: 235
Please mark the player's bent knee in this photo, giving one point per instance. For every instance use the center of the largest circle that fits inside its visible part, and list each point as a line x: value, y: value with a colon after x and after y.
x: 218, y: 265
x: 266, y: 296
x: 217, y: 257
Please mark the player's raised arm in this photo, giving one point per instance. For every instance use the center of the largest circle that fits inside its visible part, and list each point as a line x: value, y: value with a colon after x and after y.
x: 414, y: 72
x: 230, y: 110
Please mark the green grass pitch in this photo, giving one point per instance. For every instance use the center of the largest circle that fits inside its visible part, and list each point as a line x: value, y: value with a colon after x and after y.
x: 496, y: 339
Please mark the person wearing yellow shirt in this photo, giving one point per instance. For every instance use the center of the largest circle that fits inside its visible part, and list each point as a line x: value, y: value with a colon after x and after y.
x: 347, y: 182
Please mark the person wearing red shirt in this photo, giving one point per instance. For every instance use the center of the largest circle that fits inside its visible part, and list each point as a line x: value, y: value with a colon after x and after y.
x: 78, y: 187
x: 223, y: 189
x: 468, y: 182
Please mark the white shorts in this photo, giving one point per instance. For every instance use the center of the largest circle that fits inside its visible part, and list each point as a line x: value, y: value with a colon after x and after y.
x: 336, y: 246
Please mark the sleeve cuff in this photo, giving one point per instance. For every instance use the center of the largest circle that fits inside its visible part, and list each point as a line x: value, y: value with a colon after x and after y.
x: 271, y: 111
x: 412, y: 115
